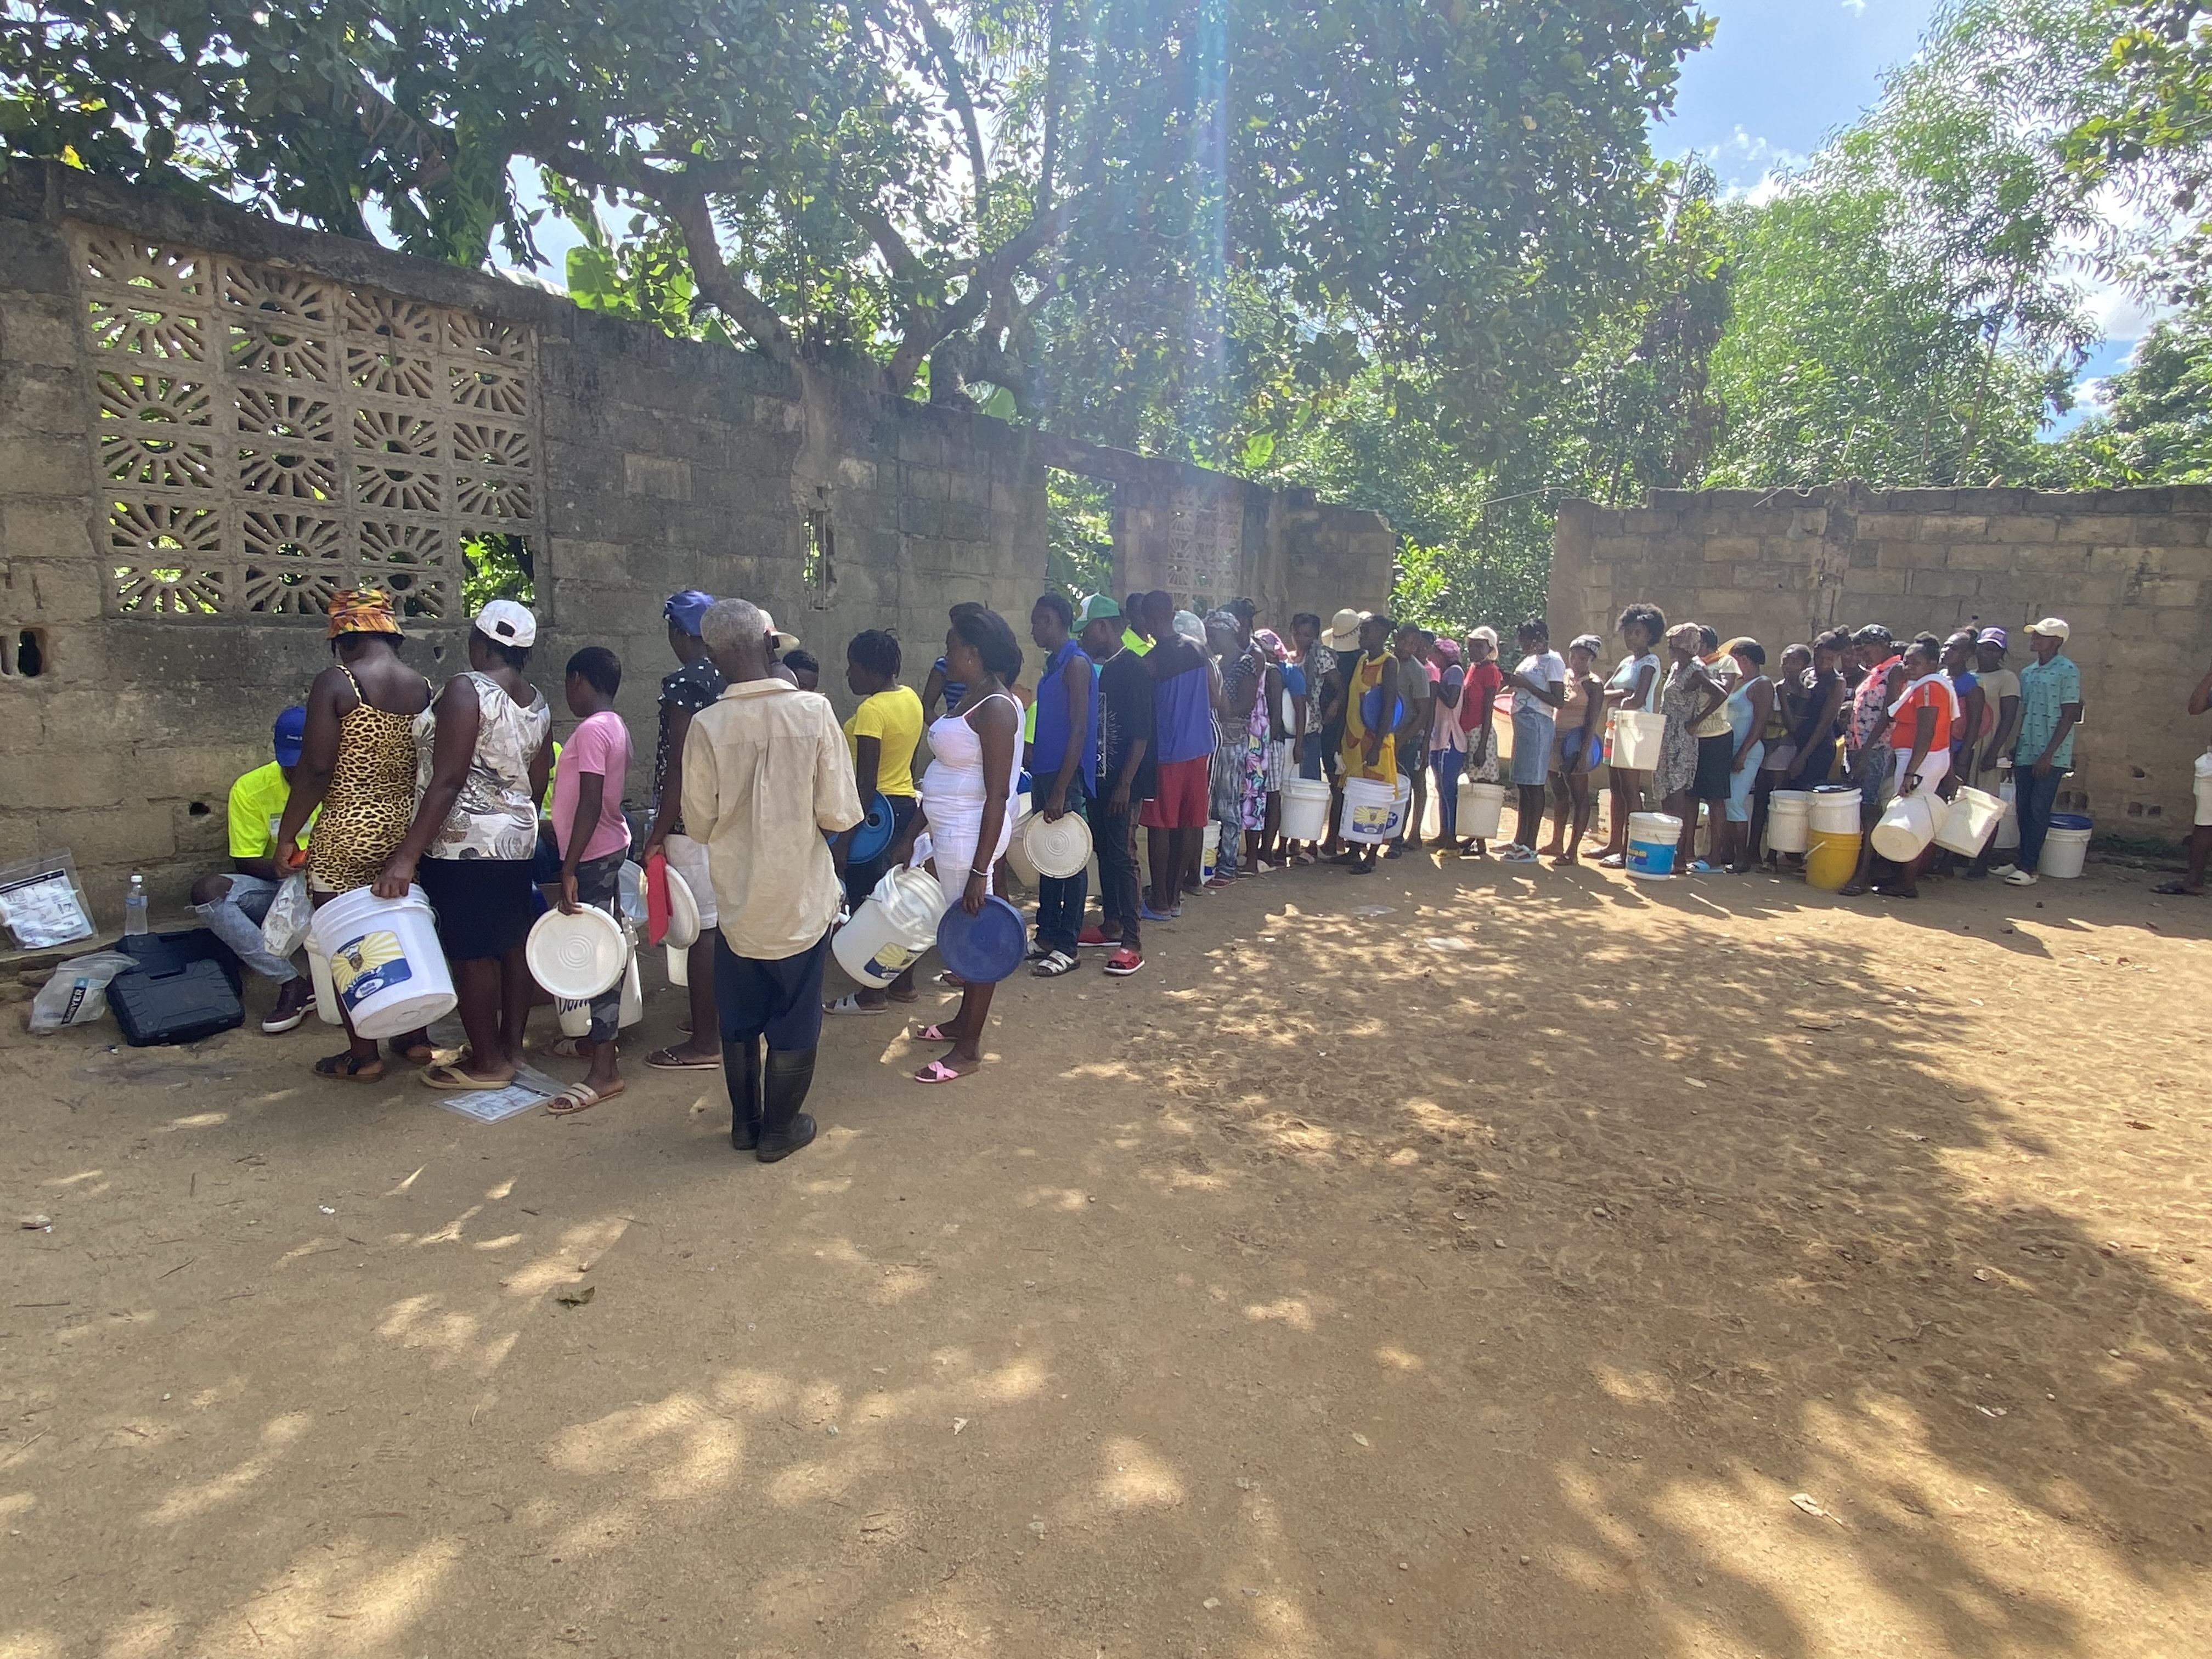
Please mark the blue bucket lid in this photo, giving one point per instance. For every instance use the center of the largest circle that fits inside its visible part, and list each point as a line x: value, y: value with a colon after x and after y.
x: 984, y: 948
x: 2072, y: 821
x: 874, y: 833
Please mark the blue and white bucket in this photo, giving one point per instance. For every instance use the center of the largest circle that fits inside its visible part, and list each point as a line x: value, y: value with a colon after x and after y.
x: 1653, y: 840
x: 385, y: 962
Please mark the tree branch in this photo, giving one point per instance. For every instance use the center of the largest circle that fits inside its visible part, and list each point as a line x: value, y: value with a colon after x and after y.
x: 956, y: 92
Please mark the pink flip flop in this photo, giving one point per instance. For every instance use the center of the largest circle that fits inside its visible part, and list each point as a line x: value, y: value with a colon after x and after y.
x: 938, y: 1072
x: 934, y: 1034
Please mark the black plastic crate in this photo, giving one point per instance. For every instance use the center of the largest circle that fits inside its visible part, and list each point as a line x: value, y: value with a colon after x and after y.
x: 195, y: 1002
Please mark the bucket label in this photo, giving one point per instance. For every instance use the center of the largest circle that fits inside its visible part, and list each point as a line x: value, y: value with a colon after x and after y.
x: 891, y: 960
x: 1373, y: 819
x: 362, y: 967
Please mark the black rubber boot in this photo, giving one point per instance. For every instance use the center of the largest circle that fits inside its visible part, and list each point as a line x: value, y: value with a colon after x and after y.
x: 741, y: 1071
x: 784, y: 1127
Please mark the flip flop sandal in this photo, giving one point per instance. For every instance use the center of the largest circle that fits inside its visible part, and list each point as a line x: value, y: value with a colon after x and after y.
x: 449, y: 1076
x: 851, y: 1005
x: 1054, y: 966
x: 2177, y: 889
x: 421, y: 1054
x: 349, y: 1068
x: 577, y: 1098
x: 934, y: 1034
x: 951, y: 982
x: 567, y: 1047
x: 664, y: 1059
x: 938, y: 1072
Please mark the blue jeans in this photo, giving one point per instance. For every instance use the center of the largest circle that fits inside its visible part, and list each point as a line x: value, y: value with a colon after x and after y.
x: 1446, y: 765
x: 1226, y: 849
x: 236, y: 919
x: 1061, y: 898
x: 2037, y: 798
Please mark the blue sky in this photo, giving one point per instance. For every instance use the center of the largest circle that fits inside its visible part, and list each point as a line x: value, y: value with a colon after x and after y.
x: 1782, y: 75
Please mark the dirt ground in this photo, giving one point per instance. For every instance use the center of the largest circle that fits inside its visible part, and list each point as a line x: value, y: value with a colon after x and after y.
x: 1550, y: 1265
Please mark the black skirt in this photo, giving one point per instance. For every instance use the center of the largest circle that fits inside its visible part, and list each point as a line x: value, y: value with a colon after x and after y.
x: 1716, y: 767
x: 484, y: 906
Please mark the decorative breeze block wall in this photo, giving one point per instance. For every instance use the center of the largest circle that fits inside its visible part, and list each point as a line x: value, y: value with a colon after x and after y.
x: 266, y: 437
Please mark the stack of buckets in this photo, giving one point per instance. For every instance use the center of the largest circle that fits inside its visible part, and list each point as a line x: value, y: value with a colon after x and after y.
x: 1831, y: 849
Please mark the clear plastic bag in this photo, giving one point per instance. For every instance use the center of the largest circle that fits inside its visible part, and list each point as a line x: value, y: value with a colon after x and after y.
x: 77, y: 993
x: 42, y: 902
x: 289, y: 913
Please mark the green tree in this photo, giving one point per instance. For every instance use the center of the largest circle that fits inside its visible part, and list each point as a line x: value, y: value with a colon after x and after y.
x: 2156, y: 426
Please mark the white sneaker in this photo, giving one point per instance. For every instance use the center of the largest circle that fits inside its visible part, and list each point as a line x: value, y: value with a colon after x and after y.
x: 2002, y: 869
x: 2021, y: 878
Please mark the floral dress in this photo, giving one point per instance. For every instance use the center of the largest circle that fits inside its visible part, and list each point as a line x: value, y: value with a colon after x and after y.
x: 1678, y: 750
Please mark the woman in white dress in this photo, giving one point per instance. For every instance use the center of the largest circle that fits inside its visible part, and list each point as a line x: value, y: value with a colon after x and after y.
x: 967, y: 805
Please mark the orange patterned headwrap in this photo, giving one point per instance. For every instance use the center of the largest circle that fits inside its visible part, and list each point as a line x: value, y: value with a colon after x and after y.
x: 362, y: 610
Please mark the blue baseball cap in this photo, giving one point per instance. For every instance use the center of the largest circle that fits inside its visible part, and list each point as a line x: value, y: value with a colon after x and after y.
x: 688, y: 610
x: 291, y: 730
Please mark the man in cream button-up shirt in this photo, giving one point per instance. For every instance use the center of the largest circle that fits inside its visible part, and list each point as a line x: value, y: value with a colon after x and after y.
x: 765, y: 773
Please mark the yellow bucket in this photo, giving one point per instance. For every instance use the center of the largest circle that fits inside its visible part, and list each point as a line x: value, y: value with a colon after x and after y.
x: 1831, y: 859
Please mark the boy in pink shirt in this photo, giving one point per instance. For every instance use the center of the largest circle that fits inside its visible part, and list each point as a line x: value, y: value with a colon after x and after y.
x: 594, y: 839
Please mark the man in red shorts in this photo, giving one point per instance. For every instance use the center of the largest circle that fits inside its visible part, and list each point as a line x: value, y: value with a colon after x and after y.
x: 1182, y: 738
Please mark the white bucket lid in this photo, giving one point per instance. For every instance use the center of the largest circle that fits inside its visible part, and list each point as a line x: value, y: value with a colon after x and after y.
x: 576, y: 956
x: 683, y: 912
x: 1058, y: 848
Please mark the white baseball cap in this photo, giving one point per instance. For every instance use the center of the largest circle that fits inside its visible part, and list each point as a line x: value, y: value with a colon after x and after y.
x: 782, y: 640
x: 2051, y: 627
x: 507, y: 622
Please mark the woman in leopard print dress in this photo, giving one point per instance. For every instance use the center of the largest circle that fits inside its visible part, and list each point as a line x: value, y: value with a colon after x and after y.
x: 357, y: 763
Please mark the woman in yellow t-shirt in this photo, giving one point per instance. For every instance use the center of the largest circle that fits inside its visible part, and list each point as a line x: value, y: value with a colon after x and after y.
x: 882, y: 734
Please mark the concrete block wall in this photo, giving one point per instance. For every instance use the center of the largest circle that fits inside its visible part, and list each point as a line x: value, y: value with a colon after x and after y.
x: 2130, y: 570
x: 662, y: 465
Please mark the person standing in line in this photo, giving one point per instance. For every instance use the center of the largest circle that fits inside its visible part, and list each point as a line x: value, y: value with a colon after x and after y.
x: 1716, y: 749
x: 1971, y: 729
x: 1417, y: 700
x: 1634, y: 687
x: 2000, y: 688
x: 1577, y: 748
x: 1342, y: 644
x: 804, y: 668
x: 693, y: 686
x: 1125, y: 777
x: 967, y: 806
x: 1690, y: 696
x: 1448, y: 741
x: 2200, y: 831
x: 593, y: 841
x: 1478, y: 719
x: 232, y: 907
x: 1280, y: 717
x: 1370, y: 753
x: 1063, y: 760
x: 1826, y: 694
x: 1311, y: 652
x: 1924, y: 713
x: 1750, y: 704
x: 483, y: 752
x: 1182, y: 734
x: 1136, y: 637
x: 882, y: 736
x: 355, y: 781
x: 766, y: 775
x: 1237, y: 692
x: 1539, y: 684
x: 1867, y: 754
x: 2049, y: 710
x: 1779, y: 756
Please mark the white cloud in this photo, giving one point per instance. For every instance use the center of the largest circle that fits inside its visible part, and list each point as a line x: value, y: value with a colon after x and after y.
x: 1750, y: 166
x: 1856, y: 8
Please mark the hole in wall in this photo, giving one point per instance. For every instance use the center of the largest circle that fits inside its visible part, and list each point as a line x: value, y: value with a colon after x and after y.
x: 198, y: 809
x: 30, y: 652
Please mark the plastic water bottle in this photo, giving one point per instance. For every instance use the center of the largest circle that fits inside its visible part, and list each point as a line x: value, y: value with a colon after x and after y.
x: 134, y: 906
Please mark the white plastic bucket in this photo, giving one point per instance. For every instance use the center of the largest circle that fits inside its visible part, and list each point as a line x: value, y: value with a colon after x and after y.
x: 893, y: 926
x: 1908, y: 824
x: 1018, y: 852
x: 1373, y: 811
x: 1209, y: 850
x: 1653, y: 840
x: 2204, y: 789
x: 384, y: 961
x: 1305, y: 809
x: 1481, y: 805
x: 1789, y: 826
x: 2063, y: 853
x: 576, y: 1017
x: 1974, y: 816
x: 679, y: 966
x: 327, y: 994
x: 1637, y: 740
x: 1833, y: 812
x: 633, y: 994
x: 2007, y: 826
